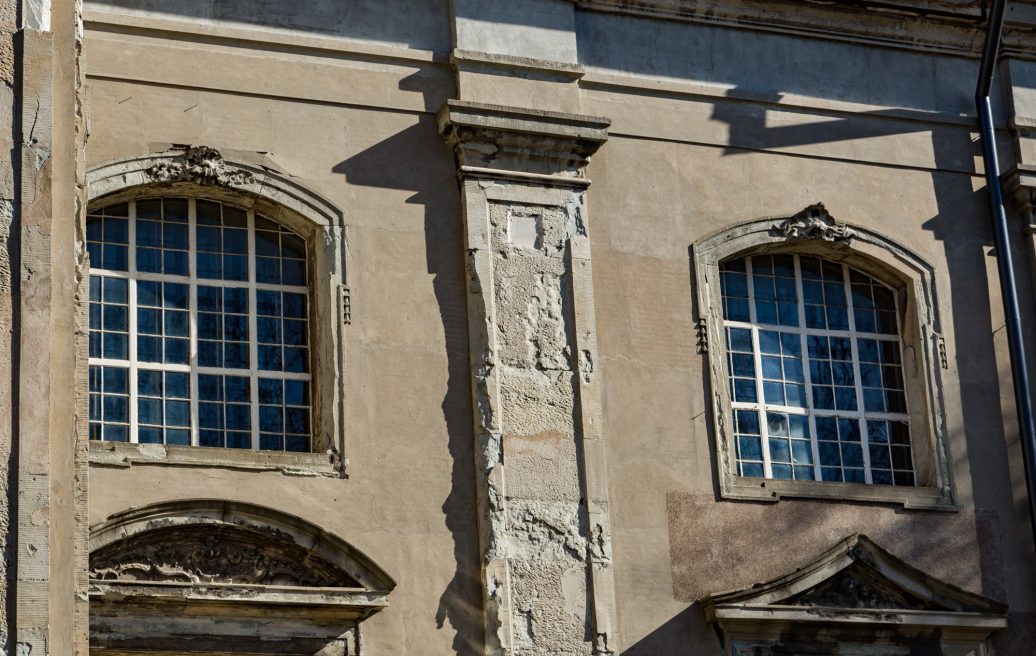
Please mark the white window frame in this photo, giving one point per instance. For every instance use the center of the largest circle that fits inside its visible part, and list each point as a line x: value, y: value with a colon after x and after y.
x: 253, y: 373
x: 814, y: 232
x: 202, y: 172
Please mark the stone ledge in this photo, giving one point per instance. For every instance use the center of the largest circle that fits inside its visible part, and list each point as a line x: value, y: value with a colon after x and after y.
x: 121, y: 454
x: 518, y: 140
x: 774, y: 489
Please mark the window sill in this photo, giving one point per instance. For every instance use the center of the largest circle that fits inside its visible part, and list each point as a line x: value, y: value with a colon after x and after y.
x: 121, y: 454
x: 763, y: 489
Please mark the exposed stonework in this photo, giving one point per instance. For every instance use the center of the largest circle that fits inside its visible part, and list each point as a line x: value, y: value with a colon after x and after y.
x: 527, y: 253
x: 200, y: 164
x: 814, y: 222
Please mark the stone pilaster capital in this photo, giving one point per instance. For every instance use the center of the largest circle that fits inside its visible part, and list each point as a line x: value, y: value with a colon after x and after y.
x: 1019, y: 186
x: 522, y: 142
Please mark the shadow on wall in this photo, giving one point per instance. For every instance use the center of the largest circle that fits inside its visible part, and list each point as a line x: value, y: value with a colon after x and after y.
x: 421, y: 24
x: 391, y: 164
x: 685, y: 633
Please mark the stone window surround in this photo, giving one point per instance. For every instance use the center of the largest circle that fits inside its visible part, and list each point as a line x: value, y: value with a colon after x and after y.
x: 202, y: 172
x: 814, y: 232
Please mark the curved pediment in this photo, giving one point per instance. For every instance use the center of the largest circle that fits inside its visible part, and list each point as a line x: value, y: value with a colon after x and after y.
x: 206, y: 553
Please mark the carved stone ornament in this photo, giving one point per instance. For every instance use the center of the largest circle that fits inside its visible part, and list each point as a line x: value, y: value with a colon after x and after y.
x: 814, y: 222
x: 199, y: 164
x: 215, y: 554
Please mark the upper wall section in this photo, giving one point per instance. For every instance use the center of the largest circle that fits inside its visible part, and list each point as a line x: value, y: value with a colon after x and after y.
x: 418, y: 24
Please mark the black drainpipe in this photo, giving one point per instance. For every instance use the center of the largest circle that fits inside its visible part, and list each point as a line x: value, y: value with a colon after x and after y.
x: 1008, y: 287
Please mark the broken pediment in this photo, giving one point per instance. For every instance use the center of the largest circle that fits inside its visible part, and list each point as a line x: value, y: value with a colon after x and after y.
x: 856, y: 591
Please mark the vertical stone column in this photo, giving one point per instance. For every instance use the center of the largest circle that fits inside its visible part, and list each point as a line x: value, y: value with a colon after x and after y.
x: 44, y: 399
x: 543, y: 509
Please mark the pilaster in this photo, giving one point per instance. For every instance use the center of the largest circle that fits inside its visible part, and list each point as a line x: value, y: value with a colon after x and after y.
x: 543, y: 502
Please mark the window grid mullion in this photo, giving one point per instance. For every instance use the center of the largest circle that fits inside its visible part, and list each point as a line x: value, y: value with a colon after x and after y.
x: 131, y: 309
x: 764, y: 433
x: 861, y: 411
x: 192, y: 311
x: 253, y: 333
x: 814, y: 443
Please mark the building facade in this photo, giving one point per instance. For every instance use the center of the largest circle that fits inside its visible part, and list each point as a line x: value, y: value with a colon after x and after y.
x: 544, y: 327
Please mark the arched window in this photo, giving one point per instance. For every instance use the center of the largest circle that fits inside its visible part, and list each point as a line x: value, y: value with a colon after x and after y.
x: 824, y: 355
x: 199, y: 326
x: 816, y: 371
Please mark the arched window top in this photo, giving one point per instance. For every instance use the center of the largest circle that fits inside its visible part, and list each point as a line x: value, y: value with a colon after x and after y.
x: 823, y: 348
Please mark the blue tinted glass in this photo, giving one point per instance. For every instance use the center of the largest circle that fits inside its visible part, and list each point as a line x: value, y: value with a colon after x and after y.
x: 95, y: 288
x: 752, y: 469
x: 852, y: 455
x: 149, y: 321
x: 845, y: 398
x: 116, y: 346
x: 210, y: 266
x: 149, y: 411
x: 268, y: 303
x: 93, y: 228
x: 801, y: 454
x: 150, y: 208
x: 744, y: 390
x: 173, y: 436
x: 175, y: 209
x: 788, y: 314
x: 878, y: 432
x: 270, y: 442
x: 238, y: 389
x: 766, y: 312
x: 294, y: 360
x: 271, y: 418
x: 882, y: 477
x: 798, y: 425
x: 772, y: 367
x: 176, y: 324
x: 210, y: 388
x: 235, y: 300
x: 239, y: 441
x: 210, y: 239
x: 177, y: 413
x: 96, y: 253
x: 293, y: 246
x: 174, y: 235
x: 266, y: 243
x: 880, y: 457
x: 750, y: 448
x: 829, y: 454
x: 773, y: 393
x: 748, y: 422
x: 176, y: 351
x: 740, y: 339
x: 235, y: 267
x: 235, y: 240
x: 209, y: 326
x: 208, y: 212
x: 791, y: 344
x: 177, y: 385
x: 796, y: 395
x: 270, y: 391
x: 115, y: 257
x: 296, y: 420
x: 95, y: 316
x: 210, y: 438
x: 235, y: 355
x: 149, y: 349
x: 174, y: 296
x: 742, y: 364
x: 270, y: 358
x: 116, y: 433
x: 239, y: 416
x: 149, y: 435
x: 210, y: 354
x: 793, y: 370
x: 149, y: 293
x: 210, y: 298
x: 95, y: 345
x: 296, y: 392
x: 769, y: 342
x: 210, y: 415
x: 116, y: 408
x: 267, y: 270
x: 873, y: 400
x: 736, y: 309
x: 95, y: 379
x: 864, y: 320
x: 149, y: 233
x: 296, y: 443
x: 269, y: 330
x: 779, y: 450
x: 149, y: 383
x: 175, y: 262
x: 837, y: 318
x: 149, y: 260
x: 116, y: 290
x: 294, y: 272
x: 294, y: 332
x: 823, y: 398
x: 116, y: 380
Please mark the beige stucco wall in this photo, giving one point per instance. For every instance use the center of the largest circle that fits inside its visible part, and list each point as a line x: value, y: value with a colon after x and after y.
x: 697, y: 143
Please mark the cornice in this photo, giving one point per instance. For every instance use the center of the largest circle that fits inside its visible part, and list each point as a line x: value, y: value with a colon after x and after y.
x: 524, y: 142
x: 947, y: 26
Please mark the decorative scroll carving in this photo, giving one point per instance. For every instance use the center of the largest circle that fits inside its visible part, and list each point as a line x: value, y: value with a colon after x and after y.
x: 814, y: 222
x: 210, y: 554
x: 200, y: 164
x: 853, y: 588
